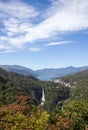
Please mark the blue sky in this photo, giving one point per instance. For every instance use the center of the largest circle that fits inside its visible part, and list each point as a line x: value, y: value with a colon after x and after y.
x: 44, y: 33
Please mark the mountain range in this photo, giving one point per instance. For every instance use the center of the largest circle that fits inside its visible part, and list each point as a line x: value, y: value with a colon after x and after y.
x: 43, y: 74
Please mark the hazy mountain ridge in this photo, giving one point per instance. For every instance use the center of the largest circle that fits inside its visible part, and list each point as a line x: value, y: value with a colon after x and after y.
x: 18, y: 69
x: 43, y: 74
x: 48, y: 74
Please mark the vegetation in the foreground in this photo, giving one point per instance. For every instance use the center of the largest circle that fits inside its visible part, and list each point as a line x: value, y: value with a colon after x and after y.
x: 64, y: 109
x: 74, y: 116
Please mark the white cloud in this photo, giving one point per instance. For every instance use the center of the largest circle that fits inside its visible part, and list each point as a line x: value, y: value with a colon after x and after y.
x: 34, y: 49
x: 5, y: 47
x: 17, y: 23
x: 57, y: 43
x: 17, y: 9
x: 71, y: 16
x: 16, y: 20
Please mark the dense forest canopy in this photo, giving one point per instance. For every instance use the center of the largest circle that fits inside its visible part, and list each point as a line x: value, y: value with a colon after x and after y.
x: 65, y: 108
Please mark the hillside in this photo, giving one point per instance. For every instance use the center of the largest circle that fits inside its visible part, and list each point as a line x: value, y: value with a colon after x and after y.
x: 79, y: 84
x: 12, y: 85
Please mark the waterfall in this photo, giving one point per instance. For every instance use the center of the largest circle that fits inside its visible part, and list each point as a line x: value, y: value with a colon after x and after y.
x: 43, y: 97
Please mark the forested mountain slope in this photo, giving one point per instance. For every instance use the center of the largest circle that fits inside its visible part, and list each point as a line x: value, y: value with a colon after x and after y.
x: 79, y: 84
x: 12, y: 84
x: 20, y: 98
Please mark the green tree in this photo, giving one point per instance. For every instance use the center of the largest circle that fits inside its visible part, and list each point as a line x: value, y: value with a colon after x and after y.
x: 78, y: 113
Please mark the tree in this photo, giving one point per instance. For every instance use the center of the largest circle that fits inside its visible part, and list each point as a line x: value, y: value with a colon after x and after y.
x: 78, y: 114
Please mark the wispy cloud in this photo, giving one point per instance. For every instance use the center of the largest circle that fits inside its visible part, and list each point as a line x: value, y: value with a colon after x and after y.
x: 58, y: 43
x: 7, y: 51
x: 17, y: 21
x: 34, y: 49
x: 17, y: 9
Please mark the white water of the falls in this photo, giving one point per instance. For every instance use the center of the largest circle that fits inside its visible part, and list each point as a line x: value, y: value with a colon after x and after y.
x: 43, y: 97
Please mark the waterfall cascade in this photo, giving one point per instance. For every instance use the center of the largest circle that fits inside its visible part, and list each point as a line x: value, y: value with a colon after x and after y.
x: 43, y: 97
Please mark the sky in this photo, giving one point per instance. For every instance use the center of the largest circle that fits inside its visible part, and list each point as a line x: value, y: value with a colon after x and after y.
x: 44, y: 33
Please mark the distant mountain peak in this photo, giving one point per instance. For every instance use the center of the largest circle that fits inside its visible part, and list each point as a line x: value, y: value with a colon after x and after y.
x: 43, y: 74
